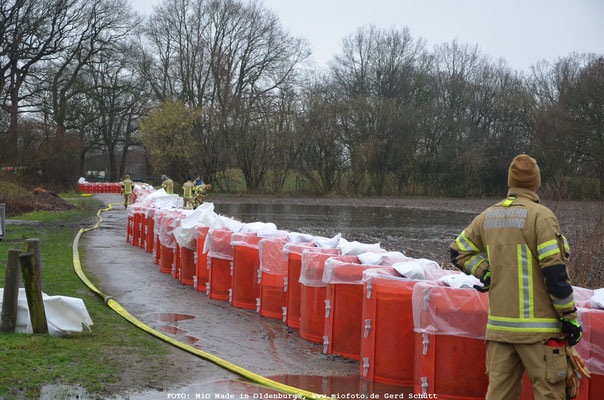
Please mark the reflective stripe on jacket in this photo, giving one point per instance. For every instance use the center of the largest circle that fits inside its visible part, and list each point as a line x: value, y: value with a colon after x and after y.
x: 168, y: 186
x: 187, y: 190
x: 128, y: 184
x: 519, y: 241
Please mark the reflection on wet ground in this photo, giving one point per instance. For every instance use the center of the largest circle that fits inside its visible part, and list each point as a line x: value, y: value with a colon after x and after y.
x: 170, y: 317
x: 335, y: 386
x: 416, y: 232
x: 157, y: 320
x: 341, y: 387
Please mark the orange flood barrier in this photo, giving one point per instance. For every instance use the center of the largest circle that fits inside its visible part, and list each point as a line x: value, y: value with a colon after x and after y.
x: 387, y: 322
x: 130, y: 226
x: 313, y: 292
x: 202, y: 273
x: 187, y: 266
x: 136, y: 231
x: 344, y: 304
x: 150, y: 240
x: 144, y: 228
x: 595, y: 361
x: 167, y: 242
x: 273, y: 268
x: 220, y: 257
x: 293, y: 254
x: 449, y: 342
x: 176, y: 262
x: 245, y: 282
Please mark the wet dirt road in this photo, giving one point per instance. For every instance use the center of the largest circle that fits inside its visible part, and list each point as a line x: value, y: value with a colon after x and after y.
x: 264, y: 346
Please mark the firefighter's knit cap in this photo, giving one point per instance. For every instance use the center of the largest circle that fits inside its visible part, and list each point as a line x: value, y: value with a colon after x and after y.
x: 524, y: 173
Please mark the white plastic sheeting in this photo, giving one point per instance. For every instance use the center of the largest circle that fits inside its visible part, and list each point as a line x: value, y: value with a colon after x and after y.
x: 441, y: 310
x: 64, y: 315
x: 460, y: 281
x: 326, y: 243
x: 186, y: 233
x: 216, y: 248
x: 415, y: 268
x: 218, y: 243
x: 313, y: 266
x: 168, y: 222
x: 372, y: 258
x: 355, y: 248
x: 299, y: 237
x: 297, y: 247
x: 597, y: 300
x: 272, y: 258
x: 349, y: 270
x: 591, y: 347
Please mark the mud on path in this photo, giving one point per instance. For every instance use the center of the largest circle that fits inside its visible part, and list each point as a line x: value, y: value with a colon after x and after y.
x: 264, y: 346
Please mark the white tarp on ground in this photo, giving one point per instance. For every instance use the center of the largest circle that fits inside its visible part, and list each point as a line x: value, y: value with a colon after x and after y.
x: 64, y: 315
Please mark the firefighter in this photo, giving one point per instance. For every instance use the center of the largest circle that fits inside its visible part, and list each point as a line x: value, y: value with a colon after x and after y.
x: 127, y: 186
x: 201, y: 192
x: 187, y: 195
x: 167, y: 184
x: 516, y: 249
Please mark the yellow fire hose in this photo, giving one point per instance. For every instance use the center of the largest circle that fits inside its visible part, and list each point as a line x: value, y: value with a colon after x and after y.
x: 115, y: 306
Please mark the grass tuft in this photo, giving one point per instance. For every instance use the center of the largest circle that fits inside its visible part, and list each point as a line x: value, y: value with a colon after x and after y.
x: 92, y: 359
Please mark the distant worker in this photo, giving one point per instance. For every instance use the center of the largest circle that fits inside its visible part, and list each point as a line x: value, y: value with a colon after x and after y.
x: 201, y: 191
x: 517, y: 251
x: 167, y: 184
x: 198, y: 181
x: 127, y: 186
x: 187, y: 189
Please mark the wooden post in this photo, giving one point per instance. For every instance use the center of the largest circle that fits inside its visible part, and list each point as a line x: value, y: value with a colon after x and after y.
x: 33, y: 291
x: 8, y: 319
x: 33, y: 246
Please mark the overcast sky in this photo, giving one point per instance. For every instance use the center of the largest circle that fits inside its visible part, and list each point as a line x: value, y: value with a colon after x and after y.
x: 520, y: 31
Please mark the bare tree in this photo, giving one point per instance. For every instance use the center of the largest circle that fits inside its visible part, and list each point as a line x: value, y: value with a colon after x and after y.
x: 32, y: 31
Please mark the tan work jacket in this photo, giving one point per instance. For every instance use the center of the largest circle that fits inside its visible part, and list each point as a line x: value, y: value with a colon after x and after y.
x: 127, y: 185
x: 168, y: 186
x: 187, y: 189
x: 520, y: 239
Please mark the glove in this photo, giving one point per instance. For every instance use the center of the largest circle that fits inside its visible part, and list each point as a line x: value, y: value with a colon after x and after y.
x: 577, y: 362
x: 572, y: 329
x: 572, y: 383
x: 575, y: 365
x: 486, y: 283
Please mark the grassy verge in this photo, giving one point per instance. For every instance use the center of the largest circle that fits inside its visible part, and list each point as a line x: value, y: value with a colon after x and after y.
x: 92, y: 359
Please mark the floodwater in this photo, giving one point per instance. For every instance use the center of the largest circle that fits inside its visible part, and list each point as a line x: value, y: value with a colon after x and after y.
x: 416, y: 232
